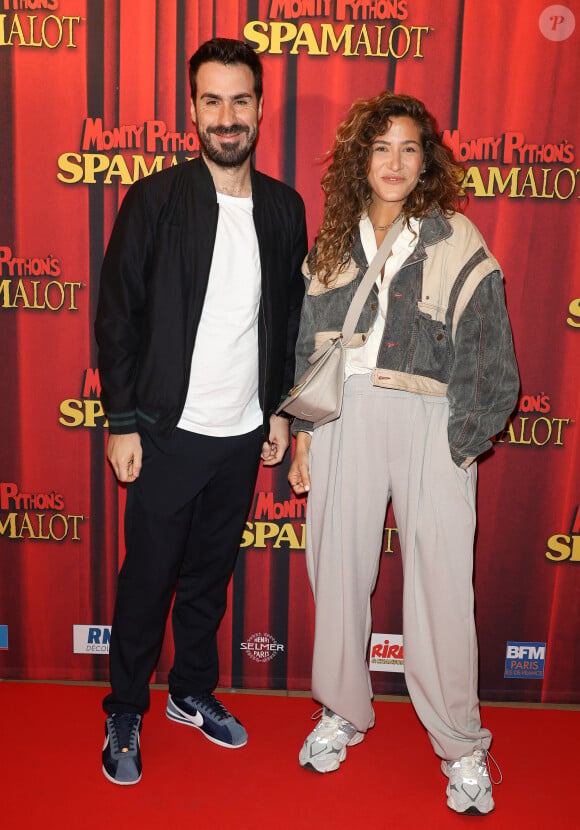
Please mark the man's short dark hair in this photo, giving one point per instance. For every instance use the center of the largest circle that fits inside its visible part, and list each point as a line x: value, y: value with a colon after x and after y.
x: 227, y: 51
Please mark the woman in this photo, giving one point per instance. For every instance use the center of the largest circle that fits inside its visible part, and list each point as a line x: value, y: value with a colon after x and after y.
x: 430, y: 377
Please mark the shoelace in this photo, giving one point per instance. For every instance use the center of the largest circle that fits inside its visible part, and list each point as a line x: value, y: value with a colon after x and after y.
x: 489, y: 757
x: 215, y: 707
x: 329, y: 724
x: 327, y: 729
x: 484, y: 757
x: 125, y: 731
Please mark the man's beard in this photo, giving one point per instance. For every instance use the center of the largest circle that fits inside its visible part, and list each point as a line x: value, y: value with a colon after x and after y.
x: 228, y: 156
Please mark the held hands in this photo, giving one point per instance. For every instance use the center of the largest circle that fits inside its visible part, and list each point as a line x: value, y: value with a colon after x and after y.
x: 299, y: 473
x: 274, y: 448
x: 125, y: 455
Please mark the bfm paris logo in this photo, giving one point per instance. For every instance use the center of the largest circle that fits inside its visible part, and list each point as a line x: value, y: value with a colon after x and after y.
x: 525, y: 661
x: 91, y: 639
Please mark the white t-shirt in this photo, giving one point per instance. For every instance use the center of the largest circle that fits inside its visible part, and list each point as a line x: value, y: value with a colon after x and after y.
x: 222, y: 397
x: 364, y: 359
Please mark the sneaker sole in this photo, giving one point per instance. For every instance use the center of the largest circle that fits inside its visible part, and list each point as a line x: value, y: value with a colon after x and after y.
x: 120, y: 783
x: 183, y: 719
x: 337, y: 759
x: 311, y: 768
x: 471, y: 811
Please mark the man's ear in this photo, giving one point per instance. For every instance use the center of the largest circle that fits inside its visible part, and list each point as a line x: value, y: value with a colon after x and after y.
x: 193, y: 113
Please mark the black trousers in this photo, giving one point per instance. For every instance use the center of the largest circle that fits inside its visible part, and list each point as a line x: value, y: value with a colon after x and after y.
x: 184, y: 519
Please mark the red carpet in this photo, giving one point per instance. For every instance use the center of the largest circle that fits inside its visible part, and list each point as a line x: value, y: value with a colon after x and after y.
x: 51, y: 777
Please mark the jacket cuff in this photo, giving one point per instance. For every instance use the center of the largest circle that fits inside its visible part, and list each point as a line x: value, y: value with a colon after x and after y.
x: 299, y: 425
x: 122, y: 423
x: 459, y: 455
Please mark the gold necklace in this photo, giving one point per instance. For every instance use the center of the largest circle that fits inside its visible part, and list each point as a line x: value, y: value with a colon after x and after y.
x: 385, y: 227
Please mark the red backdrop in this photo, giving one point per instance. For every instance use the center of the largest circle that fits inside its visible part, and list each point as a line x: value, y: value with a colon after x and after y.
x: 95, y: 94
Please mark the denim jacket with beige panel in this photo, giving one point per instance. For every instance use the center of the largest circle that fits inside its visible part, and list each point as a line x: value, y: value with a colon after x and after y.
x: 446, y: 332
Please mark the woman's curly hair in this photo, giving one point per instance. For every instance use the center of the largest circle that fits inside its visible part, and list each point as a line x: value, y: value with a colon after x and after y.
x: 345, y: 185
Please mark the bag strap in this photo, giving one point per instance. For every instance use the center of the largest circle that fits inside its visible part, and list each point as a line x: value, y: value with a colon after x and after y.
x: 369, y: 279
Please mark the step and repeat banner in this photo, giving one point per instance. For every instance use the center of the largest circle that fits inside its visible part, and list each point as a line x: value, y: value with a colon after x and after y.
x: 93, y: 96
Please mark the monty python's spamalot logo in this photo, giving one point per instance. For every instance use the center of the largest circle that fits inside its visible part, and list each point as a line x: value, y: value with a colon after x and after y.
x: 514, y: 166
x: 369, y: 28
x: 535, y: 424
x: 280, y: 525
x: 86, y: 411
x: 276, y: 524
x: 124, y: 153
x: 33, y: 283
x: 42, y: 29
x: 36, y: 516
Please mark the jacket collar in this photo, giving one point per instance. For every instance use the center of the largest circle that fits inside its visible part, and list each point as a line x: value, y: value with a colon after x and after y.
x: 204, y: 183
x: 200, y: 174
x: 434, y: 228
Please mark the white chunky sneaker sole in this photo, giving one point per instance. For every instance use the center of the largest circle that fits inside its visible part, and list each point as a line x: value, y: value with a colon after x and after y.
x: 325, y: 761
x: 467, y: 797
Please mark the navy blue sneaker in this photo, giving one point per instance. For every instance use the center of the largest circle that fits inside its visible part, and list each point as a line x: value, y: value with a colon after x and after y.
x: 206, y: 713
x: 121, y: 752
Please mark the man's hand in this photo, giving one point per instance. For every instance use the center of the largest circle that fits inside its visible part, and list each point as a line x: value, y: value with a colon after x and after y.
x: 299, y: 473
x: 125, y: 455
x: 274, y: 448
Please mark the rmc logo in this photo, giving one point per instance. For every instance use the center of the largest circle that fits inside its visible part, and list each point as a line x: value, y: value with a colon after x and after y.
x: 91, y: 639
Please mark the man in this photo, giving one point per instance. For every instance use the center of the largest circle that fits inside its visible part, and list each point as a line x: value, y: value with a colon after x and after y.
x: 197, y: 319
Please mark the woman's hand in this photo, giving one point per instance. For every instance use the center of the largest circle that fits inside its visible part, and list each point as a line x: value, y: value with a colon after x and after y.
x: 299, y: 473
x: 278, y: 440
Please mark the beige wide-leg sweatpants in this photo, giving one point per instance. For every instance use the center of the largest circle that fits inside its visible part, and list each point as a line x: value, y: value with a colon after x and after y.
x: 393, y: 444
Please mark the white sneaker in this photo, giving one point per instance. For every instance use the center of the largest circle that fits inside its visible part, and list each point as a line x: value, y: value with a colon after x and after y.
x: 325, y: 748
x: 469, y: 788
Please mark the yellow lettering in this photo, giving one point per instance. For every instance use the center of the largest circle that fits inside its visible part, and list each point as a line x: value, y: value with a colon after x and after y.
x: 287, y: 535
x: 72, y: 414
x: 328, y: 33
x: 574, y: 309
x: 558, y: 544
x: 254, y: 33
x: 306, y: 37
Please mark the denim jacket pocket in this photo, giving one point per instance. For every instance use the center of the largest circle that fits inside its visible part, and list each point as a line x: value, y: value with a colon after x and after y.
x: 433, y: 354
